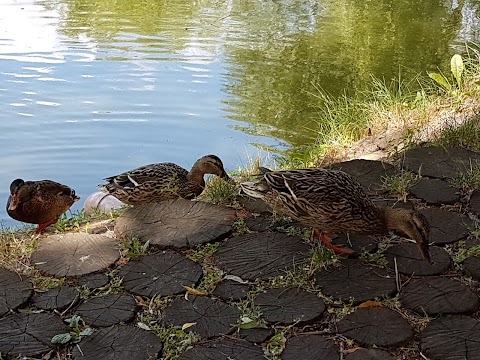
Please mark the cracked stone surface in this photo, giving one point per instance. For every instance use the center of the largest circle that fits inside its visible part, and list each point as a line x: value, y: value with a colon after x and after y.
x: 176, y: 223
x: 224, y: 349
x: 14, y: 291
x: 376, y: 326
x: 29, y: 335
x: 449, y: 162
x: 451, y: 338
x: 74, y: 254
x: 410, y: 261
x: 256, y: 335
x: 93, y: 281
x: 358, y: 243
x: 108, y: 310
x: 231, y: 290
x: 289, y: 306
x: 435, y: 191
x: 369, y: 354
x: 446, y: 227
x: 119, y: 342
x: 438, y: 295
x: 475, y: 201
x: 309, y: 347
x: 58, y: 298
x: 472, y: 267
x: 353, y: 280
x: 261, y: 255
x: 369, y: 173
x: 160, y: 274
x: 208, y: 317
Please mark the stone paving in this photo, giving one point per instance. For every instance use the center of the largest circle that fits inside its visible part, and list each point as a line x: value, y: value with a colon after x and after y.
x: 356, y: 309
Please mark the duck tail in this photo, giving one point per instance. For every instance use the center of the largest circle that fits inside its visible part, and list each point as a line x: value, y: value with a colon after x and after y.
x: 256, y: 189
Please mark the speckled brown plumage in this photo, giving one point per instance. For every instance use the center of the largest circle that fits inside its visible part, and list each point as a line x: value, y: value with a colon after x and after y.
x: 163, y: 181
x: 39, y: 202
x: 334, y: 202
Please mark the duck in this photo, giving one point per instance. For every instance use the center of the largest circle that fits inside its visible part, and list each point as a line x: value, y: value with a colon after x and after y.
x: 163, y: 181
x: 39, y: 202
x: 332, y: 201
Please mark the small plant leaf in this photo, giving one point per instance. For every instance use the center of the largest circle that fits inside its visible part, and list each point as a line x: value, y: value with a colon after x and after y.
x: 187, y: 325
x: 61, y: 338
x: 73, y: 321
x: 457, y: 67
x: 143, y: 326
x: 193, y: 291
x: 440, y: 79
x: 86, y: 332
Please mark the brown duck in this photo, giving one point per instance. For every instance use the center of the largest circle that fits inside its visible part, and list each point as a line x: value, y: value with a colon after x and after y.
x: 163, y: 181
x: 39, y: 202
x: 334, y: 202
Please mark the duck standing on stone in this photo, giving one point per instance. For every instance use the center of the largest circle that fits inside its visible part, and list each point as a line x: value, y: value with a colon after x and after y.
x: 163, y: 181
x: 333, y: 201
x: 39, y: 202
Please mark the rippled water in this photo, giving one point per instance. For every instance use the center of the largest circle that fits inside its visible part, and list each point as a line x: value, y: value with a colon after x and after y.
x: 90, y: 88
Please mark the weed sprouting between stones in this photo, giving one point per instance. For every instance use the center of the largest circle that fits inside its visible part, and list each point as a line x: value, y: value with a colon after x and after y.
x: 135, y: 247
x: 400, y: 183
x: 468, y: 181
x: 202, y: 251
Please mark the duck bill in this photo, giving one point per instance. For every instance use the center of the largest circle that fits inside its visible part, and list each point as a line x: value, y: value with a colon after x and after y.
x: 225, y: 176
x: 13, y: 203
x: 423, y: 247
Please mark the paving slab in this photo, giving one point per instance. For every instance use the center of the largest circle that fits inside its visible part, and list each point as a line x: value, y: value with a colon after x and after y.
x: 475, y: 201
x: 254, y: 205
x: 176, y: 223
x: 376, y: 326
x: 93, y: 281
x: 261, y: 256
x: 288, y: 305
x: 119, y: 342
x: 208, y: 317
x: 369, y: 173
x: 29, y: 335
x: 446, y: 227
x: 451, y: 338
x: 14, y: 291
x: 355, y: 281
x: 438, y: 295
x: 108, y: 310
x: 410, y: 262
x: 472, y: 267
x: 231, y: 290
x: 435, y: 191
x: 223, y: 349
x: 309, y: 347
x: 161, y: 274
x: 58, y: 298
x: 369, y: 354
x: 449, y: 162
x: 256, y: 335
x: 357, y: 243
x: 75, y: 254
x: 260, y: 223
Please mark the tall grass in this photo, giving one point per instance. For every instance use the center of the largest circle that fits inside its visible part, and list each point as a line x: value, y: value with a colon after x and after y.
x: 407, y: 107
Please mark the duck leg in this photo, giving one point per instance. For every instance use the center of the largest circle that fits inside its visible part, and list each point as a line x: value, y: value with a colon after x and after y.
x: 326, y: 239
x: 41, y: 227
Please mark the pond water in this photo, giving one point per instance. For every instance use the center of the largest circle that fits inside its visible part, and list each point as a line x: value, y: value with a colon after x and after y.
x: 91, y: 88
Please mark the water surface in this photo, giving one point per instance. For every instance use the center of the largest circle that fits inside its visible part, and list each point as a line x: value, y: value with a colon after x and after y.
x: 91, y: 88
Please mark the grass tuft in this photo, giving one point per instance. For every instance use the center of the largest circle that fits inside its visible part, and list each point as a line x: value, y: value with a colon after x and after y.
x: 468, y: 181
x: 220, y: 191
x: 401, y: 183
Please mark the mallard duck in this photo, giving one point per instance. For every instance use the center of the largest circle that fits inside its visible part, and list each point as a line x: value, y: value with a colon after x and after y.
x: 163, y: 181
x: 334, y: 202
x: 39, y: 202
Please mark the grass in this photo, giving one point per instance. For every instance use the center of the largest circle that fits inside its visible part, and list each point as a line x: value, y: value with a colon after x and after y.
x: 400, y: 184
x: 219, y: 191
x: 435, y: 108
x: 135, y: 247
x: 469, y: 180
x: 76, y: 220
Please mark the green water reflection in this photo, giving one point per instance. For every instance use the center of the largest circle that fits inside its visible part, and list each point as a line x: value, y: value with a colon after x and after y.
x: 278, y: 53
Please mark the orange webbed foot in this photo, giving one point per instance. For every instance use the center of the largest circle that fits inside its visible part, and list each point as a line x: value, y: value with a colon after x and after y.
x: 326, y: 239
